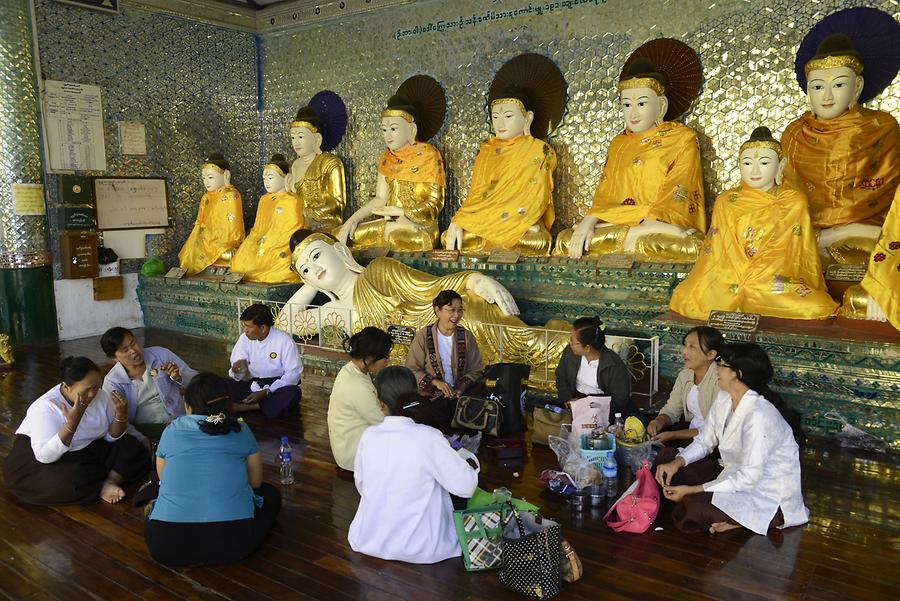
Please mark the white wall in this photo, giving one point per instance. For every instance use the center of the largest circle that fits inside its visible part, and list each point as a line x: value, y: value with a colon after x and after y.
x: 78, y: 315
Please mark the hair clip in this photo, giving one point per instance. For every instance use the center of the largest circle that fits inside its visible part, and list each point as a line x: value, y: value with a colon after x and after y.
x: 218, y: 418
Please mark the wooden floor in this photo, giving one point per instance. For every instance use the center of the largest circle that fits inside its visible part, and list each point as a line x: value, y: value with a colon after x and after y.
x: 849, y: 550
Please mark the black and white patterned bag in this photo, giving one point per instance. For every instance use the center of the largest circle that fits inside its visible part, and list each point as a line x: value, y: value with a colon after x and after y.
x: 531, y: 555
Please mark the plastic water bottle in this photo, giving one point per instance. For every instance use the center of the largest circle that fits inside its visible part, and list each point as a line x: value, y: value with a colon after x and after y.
x: 610, y: 477
x: 287, y: 469
x: 618, y: 425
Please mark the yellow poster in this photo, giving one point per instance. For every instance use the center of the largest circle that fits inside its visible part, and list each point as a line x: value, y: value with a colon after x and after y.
x: 28, y: 199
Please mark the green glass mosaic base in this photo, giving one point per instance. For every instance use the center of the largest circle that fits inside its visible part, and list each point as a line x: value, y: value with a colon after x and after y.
x: 859, y: 379
x: 202, y: 307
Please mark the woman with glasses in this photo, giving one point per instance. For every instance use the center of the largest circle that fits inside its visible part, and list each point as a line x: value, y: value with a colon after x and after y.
x: 445, y: 360
x: 756, y: 434
x: 588, y: 368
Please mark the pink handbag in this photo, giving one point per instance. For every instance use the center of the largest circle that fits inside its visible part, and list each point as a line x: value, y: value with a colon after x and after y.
x: 635, y: 510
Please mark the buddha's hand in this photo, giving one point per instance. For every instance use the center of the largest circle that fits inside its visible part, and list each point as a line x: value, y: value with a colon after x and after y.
x: 347, y: 230
x: 493, y: 292
x: 581, y: 237
x: 454, y: 237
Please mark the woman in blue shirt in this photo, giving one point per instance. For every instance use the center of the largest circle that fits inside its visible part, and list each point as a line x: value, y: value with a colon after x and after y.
x: 213, y: 506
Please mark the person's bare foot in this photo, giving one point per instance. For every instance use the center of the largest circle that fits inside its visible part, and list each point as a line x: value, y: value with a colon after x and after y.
x: 111, y: 492
x: 722, y: 527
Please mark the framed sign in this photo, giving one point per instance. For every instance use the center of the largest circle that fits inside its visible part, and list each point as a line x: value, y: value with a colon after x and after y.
x: 735, y: 321
x: 131, y: 203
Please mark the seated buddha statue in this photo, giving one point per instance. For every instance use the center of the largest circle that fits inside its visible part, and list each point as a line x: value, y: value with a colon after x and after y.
x: 409, y: 191
x: 317, y: 177
x: 843, y: 156
x: 650, y: 198
x: 265, y: 254
x: 387, y: 289
x: 510, y: 201
x: 877, y: 297
x: 760, y: 253
x: 219, y: 228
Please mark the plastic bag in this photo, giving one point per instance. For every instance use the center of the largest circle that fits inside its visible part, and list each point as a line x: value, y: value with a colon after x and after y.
x: 633, y: 456
x: 854, y: 438
x: 569, y: 456
x: 470, y: 442
x: 589, y: 413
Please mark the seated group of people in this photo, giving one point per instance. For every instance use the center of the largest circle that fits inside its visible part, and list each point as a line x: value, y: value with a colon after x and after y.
x: 740, y: 467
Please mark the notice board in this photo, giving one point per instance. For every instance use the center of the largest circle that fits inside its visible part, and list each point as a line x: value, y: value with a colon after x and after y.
x: 127, y: 203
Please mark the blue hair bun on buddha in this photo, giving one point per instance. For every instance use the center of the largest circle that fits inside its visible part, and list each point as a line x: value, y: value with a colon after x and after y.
x: 871, y: 35
x: 332, y: 113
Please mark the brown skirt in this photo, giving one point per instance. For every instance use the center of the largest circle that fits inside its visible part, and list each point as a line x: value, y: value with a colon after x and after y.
x: 77, y: 476
x: 696, y: 513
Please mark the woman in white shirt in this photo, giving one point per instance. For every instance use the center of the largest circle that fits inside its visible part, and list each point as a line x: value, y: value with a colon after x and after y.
x: 405, y: 473
x: 353, y: 404
x: 445, y: 359
x: 71, y: 448
x: 588, y: 368
x: 759, y: 486
x: 695, y: 388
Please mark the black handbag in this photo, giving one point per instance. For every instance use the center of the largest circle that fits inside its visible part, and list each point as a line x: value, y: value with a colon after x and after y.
x: 504, y: 382
x: 473, y: 413
x: 531, y: 561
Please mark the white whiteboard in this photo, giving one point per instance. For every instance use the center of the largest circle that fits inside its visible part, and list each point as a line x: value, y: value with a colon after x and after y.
x: 131, y: 202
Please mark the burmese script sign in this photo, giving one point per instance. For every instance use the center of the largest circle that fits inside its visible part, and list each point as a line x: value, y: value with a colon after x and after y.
x: 401, y: 334
x: 615, y: 261
x: 850, y: 272
x: 735, y: 321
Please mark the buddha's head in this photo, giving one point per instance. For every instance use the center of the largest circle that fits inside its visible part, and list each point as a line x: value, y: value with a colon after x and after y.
x: 398, y: 123
x: 834, y: 77
x: 511, y: 115
x: 306, y: 133
x: 274, y: 172
x: 761, y: 160
x: 321, y: 261
x: 216, y: 172
x: 642, y: 94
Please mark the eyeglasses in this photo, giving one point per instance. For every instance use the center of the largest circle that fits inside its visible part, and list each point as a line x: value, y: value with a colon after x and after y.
x: 721, y: 362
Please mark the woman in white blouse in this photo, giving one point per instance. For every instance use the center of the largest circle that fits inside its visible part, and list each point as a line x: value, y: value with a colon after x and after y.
x: 405, y: 473
x: 759, y: 486
x: 353, y: 405
x: 71, y: 448
x: 695, y: 388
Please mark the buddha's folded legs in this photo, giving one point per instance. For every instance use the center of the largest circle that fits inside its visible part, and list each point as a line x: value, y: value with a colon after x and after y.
x: 371, y: 233
x: 535, y: 244
x: 668, y: 248
x: 849, y: 250
x: 607, y: 238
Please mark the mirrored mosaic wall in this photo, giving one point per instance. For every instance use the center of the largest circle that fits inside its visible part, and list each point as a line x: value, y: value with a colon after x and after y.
x: 194, y: 86
x: 746, y: 48
x: 23, y: 238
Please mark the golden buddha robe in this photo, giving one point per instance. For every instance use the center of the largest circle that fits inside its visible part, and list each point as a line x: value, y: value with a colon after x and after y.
x: 759, y: 256
x: 323, y: 190
x: 848, y: 166
x: 389, y: 292
x: 219, y: 228
x: 655, y: 174
x: 512, y: 190
x: 882, y: 279
x: 415, y: 179
x: 265, y: 255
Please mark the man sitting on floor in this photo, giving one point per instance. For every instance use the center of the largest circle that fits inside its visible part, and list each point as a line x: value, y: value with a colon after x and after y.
x: 265, y: 366
x: 151, y: 379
